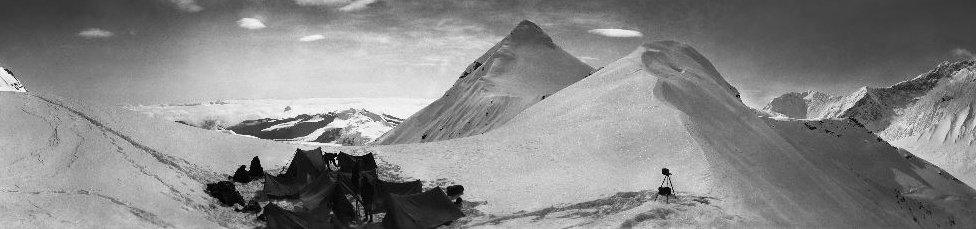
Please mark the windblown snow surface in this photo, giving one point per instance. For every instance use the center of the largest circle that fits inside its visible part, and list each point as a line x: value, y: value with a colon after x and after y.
x: 931, y: 115
x: 71, y: 165
x: 583, y: 156
x: 521, y: 70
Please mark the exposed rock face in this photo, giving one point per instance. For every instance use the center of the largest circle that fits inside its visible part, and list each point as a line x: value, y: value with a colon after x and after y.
x: 519, y: 71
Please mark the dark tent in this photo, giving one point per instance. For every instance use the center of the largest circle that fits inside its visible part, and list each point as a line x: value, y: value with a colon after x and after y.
x: 316, y: 218
x: 275, y: 187
x: 422, y: 211
x: 352, y: 164
x: 381, y: 191
x: 304, y: 167
x: 319, y: 191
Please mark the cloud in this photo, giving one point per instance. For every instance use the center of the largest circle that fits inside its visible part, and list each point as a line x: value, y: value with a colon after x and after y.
x: 95, y: 33
x: 357, y: 5
x: 251, y: 23
x: 963, y: 53
x: 616, y: 32
x: 322, y: 2
x: 187, y: 5
x: 312, y: 38
x: 342, y: 5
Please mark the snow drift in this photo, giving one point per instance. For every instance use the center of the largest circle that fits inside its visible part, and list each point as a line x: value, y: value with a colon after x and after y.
x: 521, y: 70
x: 665, y: 105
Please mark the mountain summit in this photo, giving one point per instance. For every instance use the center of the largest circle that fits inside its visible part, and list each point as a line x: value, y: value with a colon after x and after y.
x: 519, y: 71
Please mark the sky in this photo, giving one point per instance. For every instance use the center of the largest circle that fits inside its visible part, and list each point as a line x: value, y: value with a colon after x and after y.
x: 175, y: 51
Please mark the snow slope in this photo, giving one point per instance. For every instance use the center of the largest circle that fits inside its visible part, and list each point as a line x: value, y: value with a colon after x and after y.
x: 521, y: 70
x: 72, y: 165
x: 665, y: 105
x: 9, y: 83
x: 930, y: 115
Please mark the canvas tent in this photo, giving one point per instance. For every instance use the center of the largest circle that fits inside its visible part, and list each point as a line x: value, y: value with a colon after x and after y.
x: 304, y: 167
x: 421, y: 211
x: 317, y: 218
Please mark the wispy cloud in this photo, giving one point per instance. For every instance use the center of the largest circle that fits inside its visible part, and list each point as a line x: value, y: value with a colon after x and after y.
x: 251, y: 23
x: 312, y: 38
x: 95, y: 33
x: 963, y: 53
x: 341, y: 5
x: 616, y: 32
x: 357, y: 5
x: 187, y: 5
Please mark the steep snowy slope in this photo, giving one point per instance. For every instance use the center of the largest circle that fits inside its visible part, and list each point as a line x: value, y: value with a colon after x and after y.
x: 9, y: 83
x: 665, y: 105
x: 72, y: 165
x: 930, y: 115
x: 521, y: 70
x: 940, y: 125
x: 348, y: 127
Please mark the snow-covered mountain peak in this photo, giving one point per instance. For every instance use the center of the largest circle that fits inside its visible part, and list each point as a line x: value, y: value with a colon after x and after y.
x: 668, y: 57
x: 8, y: 82
x: 526, y: 31
x: 523, y: 68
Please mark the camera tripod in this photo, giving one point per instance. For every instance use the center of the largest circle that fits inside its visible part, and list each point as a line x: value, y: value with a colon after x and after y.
x: 667, y: 188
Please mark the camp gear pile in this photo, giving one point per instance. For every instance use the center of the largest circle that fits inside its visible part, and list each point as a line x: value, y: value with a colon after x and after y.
x: 342, y: 191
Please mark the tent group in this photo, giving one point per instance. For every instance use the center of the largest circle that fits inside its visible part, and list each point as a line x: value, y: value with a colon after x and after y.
x: 327, y: 185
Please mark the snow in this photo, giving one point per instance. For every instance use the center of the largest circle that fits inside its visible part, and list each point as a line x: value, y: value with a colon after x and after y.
x: 586, y: 156
x: 68, y: 165
x: 9, y: 83
x: 664, y: 105
x: 519, y: 71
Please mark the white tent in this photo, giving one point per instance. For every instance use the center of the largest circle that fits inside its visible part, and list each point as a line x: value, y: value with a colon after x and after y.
x: 8, y: 82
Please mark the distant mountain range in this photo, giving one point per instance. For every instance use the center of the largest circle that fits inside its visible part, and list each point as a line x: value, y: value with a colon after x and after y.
x: 933, y: 115
x: 313, y: 121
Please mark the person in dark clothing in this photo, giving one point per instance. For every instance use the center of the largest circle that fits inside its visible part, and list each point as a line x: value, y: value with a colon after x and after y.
x: 454, y: 193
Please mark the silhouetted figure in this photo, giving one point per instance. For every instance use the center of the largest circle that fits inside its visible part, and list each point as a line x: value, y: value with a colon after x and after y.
x: 256, y: 170
x: 241, y: 175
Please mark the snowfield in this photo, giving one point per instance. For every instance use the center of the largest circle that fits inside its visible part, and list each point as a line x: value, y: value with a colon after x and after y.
x: 72, y: 165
